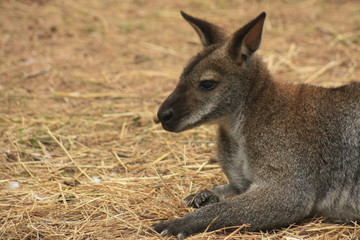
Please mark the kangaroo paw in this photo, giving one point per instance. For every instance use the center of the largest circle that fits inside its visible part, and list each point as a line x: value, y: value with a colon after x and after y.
x: 171, y: 228
x: 200, y: 199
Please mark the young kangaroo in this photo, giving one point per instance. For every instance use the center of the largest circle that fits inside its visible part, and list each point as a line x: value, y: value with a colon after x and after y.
x: 288, y: 151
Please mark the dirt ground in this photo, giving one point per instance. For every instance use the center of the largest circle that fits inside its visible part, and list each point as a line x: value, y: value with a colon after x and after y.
x: 80, y: 83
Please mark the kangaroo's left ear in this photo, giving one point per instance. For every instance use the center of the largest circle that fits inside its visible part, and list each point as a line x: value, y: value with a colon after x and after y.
x: 209, y: 33
x: 245, y: 41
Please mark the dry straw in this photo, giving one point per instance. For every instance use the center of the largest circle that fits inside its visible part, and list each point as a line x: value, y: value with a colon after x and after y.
x: 80, y: 82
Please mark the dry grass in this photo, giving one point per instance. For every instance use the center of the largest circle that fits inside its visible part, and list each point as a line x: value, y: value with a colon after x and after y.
x: 80, y: 82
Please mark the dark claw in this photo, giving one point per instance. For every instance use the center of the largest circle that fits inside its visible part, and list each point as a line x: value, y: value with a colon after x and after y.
x: 171, y: 228
x: 201, y: 199
x: 164, y: 233
x: 181, y: 236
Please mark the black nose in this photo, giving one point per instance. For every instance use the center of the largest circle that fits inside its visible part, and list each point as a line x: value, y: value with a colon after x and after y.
x: 166, y: 115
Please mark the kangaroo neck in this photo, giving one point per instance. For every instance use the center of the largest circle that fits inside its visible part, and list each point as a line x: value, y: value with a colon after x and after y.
x: 258, y: 89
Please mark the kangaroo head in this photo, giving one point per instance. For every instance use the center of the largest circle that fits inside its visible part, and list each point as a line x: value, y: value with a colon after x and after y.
x: 215, y: 81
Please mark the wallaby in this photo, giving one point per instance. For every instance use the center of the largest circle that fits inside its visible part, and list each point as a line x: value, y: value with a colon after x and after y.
x: 288, y: 151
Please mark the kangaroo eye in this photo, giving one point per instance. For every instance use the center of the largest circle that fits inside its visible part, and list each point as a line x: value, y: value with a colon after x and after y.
x: 207, y: 85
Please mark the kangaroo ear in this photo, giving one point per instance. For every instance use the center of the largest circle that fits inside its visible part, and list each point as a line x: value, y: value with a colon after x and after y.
x: 245, y: 41
x: 209, y: 33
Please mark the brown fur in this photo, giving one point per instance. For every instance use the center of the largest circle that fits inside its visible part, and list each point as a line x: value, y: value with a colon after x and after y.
x: 288, y: 151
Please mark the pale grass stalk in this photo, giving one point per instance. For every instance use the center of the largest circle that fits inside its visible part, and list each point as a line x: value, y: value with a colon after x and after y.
x: 161, y: 157
x: 120, y: 161
x: 68, y: 154
x: 321, y: 71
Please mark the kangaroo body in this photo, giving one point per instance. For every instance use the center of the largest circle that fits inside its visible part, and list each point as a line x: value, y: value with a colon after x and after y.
x: 288, y: 151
